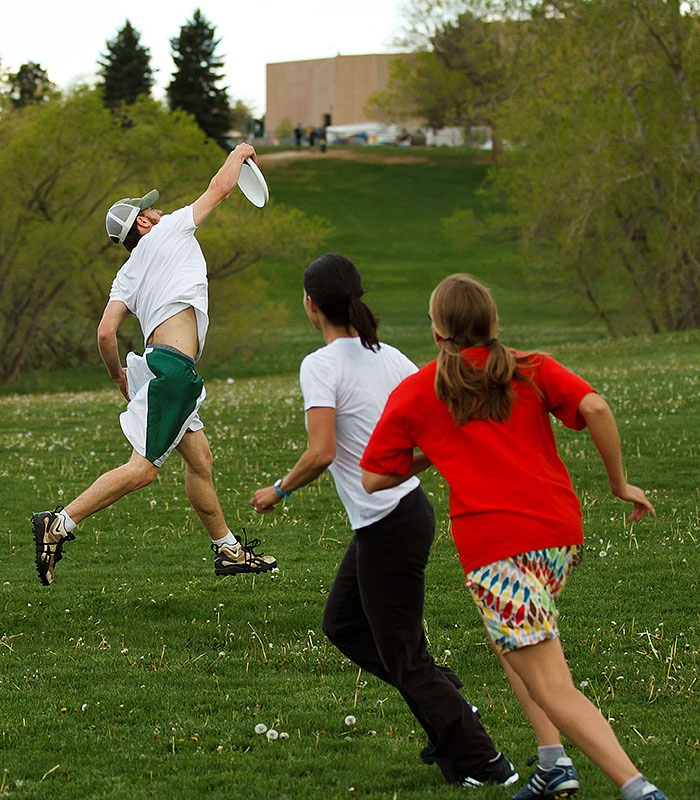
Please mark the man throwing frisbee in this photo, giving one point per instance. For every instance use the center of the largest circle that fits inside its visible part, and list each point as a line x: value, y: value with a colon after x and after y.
x: 164, y: 285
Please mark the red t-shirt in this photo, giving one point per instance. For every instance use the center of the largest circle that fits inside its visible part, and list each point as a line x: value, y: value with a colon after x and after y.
x: 509, y: 490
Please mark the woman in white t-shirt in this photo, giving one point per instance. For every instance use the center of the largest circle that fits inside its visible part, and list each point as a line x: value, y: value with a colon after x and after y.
x: 374, y: 612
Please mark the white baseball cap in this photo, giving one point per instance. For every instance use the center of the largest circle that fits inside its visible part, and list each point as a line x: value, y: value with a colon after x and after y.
x: 122, y: 214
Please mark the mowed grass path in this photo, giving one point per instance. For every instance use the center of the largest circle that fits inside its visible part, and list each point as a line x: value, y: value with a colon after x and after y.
x: 139, y: 674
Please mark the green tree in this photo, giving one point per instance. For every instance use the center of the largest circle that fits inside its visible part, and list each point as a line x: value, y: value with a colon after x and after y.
x: 419, y: 88
x: 605, y: 181
x: 125, y: 69
x: 62, y: 163
x: 465, y: 65
x: 600, y: 103
x: 197, y: 72
x: 30, y: 84
x: 242, y: 118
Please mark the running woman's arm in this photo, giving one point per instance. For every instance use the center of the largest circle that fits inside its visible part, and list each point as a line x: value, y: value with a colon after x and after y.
x: 114, y: 314
x: 223, y: 183
x: 317, y: 457
x: 601, y: 425
x: 373, y: 482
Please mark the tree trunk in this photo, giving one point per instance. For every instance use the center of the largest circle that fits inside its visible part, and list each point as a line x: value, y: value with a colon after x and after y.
x: 592, y: 299
x: 651, y: 319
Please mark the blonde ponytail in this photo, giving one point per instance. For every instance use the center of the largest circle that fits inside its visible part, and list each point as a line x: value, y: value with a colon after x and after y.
x: 475, y: 392
x: 464, y: 315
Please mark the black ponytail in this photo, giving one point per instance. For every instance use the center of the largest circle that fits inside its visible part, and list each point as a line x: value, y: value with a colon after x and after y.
x: 334, y: 284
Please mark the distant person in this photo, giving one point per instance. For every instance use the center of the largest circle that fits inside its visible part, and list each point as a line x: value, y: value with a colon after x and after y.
x: 164, y: 285
x: 374, y: 611
x: 480, y: 414
x: 324, y: 140
x: 312, y: 137
x: 298, y: 135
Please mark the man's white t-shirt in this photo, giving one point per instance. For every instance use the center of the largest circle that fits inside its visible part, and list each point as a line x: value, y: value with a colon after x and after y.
x: 356, y: 382
x: 166, y: 273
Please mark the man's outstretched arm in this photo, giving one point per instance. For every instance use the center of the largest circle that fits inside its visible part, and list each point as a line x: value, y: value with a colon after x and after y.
x: 114, y: 314
x: 222, y: 184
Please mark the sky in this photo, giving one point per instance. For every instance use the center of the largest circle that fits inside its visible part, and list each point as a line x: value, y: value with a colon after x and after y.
x: 67, y: 38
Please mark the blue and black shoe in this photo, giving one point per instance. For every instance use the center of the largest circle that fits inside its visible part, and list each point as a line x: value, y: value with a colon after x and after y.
x: 558, y: 783
x: 652, y: 793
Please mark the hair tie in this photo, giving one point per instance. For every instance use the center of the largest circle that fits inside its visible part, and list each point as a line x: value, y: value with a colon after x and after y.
x: 491, y: 342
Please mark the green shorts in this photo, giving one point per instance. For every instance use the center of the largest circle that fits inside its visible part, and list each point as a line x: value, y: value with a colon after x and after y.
x: 165, y: 393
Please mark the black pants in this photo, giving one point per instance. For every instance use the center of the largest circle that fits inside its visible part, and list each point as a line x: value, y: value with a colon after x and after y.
x: 374, y: 615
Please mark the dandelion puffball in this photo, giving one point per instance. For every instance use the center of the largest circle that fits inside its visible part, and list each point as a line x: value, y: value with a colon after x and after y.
x: 260, y: 728
x: 350, y: 720
x: 272, y: 734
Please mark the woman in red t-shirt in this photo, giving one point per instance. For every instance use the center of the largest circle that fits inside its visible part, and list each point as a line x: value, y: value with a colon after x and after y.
x: 480, y: 414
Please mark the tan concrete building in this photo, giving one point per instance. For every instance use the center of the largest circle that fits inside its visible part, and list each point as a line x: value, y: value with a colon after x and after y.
x: 324, y: 91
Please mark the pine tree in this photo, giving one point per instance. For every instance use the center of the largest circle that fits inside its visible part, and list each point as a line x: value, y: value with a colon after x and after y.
x: 126, y: 69
x: 30, y: 84
x: 193, y: 87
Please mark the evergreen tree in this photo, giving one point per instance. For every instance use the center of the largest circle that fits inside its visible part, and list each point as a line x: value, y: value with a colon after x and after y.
x: 30, y: 84
x: 126, y: 69
x: 193, y: 87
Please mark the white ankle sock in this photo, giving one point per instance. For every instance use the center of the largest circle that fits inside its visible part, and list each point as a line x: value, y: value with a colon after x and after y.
x: 68, y: 523
x: 636, y: 788
x: 547, y: 756
x: 228, y: 539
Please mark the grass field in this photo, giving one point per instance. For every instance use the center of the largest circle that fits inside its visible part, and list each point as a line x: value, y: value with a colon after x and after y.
x: 138, y: 674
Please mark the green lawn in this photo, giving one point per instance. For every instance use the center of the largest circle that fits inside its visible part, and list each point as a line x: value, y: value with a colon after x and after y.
x: 139, y: 674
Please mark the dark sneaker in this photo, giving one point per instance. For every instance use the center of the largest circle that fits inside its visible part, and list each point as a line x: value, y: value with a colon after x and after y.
x: 241, y: 557
x: 557, y: 783
x: 49, y: 536
x: 427, y: 754
x: 652, y: 793
x: 499, y: 770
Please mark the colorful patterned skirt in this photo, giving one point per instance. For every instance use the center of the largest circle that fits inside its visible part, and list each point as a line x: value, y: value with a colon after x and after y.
x: 516, y: 596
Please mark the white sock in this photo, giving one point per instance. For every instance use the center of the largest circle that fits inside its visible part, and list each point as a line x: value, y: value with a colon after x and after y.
x: 548, y: 754
x: 228, y: 539
x: 68, y: 523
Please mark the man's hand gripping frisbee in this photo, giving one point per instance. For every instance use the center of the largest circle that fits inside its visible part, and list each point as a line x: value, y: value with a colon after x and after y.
x: 240, y: 161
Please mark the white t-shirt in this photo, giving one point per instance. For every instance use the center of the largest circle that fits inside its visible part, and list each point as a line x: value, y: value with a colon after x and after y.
x: 166, y: 273
x: 356, y: 382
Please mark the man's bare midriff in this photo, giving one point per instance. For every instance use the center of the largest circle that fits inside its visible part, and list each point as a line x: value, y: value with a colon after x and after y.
x: 179, y: 331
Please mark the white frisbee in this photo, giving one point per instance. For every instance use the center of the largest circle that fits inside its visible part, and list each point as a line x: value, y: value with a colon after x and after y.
x: 252, y: 183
